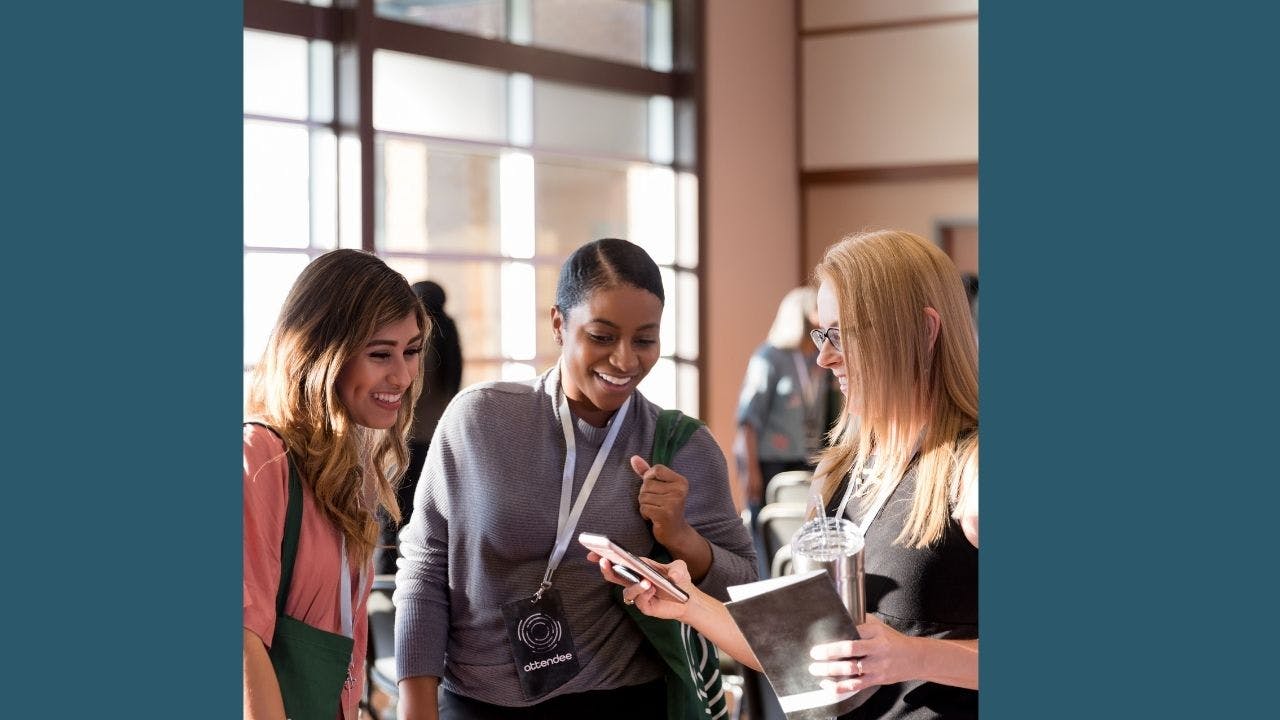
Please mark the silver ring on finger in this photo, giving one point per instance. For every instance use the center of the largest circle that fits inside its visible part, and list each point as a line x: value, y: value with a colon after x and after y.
x: 859, y: 666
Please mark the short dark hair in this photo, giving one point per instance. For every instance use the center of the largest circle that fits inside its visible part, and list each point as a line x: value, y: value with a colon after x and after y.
x: 605, y: 263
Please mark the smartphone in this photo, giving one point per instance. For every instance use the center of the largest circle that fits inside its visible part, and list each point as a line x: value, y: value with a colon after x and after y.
x: 620, y: 557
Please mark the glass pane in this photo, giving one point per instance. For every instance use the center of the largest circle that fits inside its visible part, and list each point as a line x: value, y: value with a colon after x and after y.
x: 433, y: 97
x: 611, y: 29
x: 651, y: 211
x: 321, y: 80
x: 667, y: 335
x: 519, y: 325
x: 276, y: 207
x: 349, y: 222
x: 486, y: 18
x: 577, y: 203
x: 688, y: 381
x: 662, y: 128
x: 275, y: 75
x: 687, y: 220
x: 434, y: 199
x: 545, y: 279
x: 660, y: 36
x: 687, y: 316
x: 659, y: 386
x: 267, y: 279
x: 474, y: 292
x: 324, y: 189
x: 571, y: 118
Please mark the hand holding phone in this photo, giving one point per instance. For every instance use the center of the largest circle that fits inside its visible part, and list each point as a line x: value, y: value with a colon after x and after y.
x: 622, y: 559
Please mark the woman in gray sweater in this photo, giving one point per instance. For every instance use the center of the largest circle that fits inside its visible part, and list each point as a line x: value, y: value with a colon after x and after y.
x: 498, y: 614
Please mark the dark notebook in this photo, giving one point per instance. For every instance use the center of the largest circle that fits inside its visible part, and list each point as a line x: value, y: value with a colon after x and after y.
x: 782, y: 618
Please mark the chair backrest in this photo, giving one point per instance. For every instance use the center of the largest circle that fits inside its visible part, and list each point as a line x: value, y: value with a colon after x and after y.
x: 778, y: 523
x: 789, y: 486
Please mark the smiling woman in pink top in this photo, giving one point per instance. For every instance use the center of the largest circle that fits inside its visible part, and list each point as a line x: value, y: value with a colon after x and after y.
x: 331, y: 400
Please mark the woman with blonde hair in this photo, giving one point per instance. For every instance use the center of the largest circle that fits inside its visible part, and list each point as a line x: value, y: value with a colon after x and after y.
x: 330, y: 405
x: 904, y: 466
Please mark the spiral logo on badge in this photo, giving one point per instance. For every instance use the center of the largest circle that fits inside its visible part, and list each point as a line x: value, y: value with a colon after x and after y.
x: 539, y: 632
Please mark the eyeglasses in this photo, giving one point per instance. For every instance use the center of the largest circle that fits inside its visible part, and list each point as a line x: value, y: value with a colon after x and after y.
x: 821, y: 336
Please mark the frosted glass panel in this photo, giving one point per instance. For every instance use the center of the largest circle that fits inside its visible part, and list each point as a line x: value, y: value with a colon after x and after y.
x: 651, y: 211
x: 667, y: 335
x: 546, y: 277
x: 688, y: 390
x: 434, y: 97
x: 687, y: 220
x: 577, y: 203
x: 349, y: 213
x: 267, y: 279
x: 324, y: 189
x: 687, y: 316
x: 474, y: 300
x: 593, y: 121
x: 276, y: 207
x: 486, y: 18
x: 611, y: 29
x: 662, y: 127
x: 436, y: 200
x: 660, y: 384
x: 275, y: 75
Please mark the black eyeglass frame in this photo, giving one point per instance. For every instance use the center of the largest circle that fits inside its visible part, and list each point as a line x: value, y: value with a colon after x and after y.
x: 820, y: 336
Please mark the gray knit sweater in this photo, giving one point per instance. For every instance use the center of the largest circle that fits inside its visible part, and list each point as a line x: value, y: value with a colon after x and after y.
x: 483, y: 527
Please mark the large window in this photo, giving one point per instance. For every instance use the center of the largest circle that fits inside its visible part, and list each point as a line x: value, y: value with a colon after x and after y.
x: 475, y: 143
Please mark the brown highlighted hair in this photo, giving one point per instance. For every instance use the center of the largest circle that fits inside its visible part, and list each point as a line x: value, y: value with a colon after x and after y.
x: 334, y: 308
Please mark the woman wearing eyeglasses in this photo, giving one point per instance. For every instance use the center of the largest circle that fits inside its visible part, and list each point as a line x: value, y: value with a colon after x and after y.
x: 897, y: 337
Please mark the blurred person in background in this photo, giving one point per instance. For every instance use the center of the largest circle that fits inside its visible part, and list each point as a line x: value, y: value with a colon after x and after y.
x: 784, y: 406
x: 442, y: 365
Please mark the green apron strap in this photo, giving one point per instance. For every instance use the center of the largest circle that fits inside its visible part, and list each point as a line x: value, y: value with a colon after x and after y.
x: 292, y: 529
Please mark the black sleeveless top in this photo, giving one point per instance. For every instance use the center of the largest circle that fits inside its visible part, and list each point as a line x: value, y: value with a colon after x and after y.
x: 930, y: 592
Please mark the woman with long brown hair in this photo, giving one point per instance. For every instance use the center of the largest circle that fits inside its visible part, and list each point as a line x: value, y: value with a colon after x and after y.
x: 330, y: 405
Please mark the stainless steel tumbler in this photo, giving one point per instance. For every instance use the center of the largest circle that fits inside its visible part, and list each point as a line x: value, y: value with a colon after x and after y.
x: 834, y: 545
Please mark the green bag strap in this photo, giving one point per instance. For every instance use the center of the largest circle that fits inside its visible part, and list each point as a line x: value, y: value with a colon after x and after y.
x: 292, y: 529
x: 673, y: 431
x: 693, y: 689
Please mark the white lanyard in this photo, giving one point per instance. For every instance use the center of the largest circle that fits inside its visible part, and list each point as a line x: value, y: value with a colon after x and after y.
x: 568, y: 519
x: 881, y: 497
x: 344, y: 591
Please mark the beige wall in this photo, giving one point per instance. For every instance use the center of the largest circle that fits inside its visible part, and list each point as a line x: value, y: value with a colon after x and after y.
x: 889, y: 92
x: 913, y: 205
x: 751, y: 214
x: 898, y: 96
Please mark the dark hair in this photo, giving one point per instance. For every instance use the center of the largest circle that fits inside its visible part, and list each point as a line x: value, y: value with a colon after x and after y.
x: 605, y: 263
x: 431, y: 295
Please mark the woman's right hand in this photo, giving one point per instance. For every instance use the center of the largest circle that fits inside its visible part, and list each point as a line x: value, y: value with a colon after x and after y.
x: 643, y: 594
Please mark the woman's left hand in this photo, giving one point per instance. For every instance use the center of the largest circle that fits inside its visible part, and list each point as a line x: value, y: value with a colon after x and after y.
x: 662, y: 495
x: 883, y: 656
